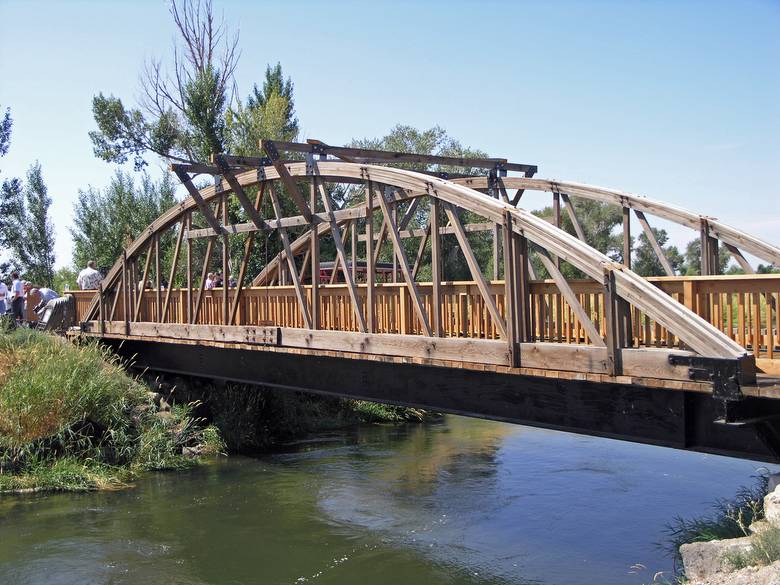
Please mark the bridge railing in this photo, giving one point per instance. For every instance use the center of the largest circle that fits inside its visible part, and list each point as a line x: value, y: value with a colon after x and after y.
x: 745, y: 307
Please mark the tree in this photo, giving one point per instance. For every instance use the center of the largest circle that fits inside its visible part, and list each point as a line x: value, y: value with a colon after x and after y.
x: 268, y: 114
x: 433, y: 141
x: 646, y: 262
x: 597, y: 221
x: 5, y: 132
x: 105, y: 221
x: 182, y: 115
x: 25, y: 226
x: 692, y: 265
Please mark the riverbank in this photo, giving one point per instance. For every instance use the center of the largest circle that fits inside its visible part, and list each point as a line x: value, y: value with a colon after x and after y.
x: 72, y: 419
x: 738, y: 544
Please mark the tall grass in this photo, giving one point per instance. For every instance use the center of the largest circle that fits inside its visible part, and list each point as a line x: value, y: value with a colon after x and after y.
x: 71, y: 418
x: 730, y: 518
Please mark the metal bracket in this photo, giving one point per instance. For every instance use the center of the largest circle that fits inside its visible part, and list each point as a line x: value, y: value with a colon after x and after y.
x: 260, y: 173
x: 492, y: 184
x: 217, y: 184
x: 725, y: 374
x: 320, y: 149
x: 309, y: 163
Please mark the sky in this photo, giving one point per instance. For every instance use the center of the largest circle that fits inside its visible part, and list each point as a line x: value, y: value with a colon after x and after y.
x: 675, y: 100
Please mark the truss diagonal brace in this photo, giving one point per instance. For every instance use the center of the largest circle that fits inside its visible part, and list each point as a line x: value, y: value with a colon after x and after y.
x: 273, y: 153
x: 238, y: 191
x: 211, y: 219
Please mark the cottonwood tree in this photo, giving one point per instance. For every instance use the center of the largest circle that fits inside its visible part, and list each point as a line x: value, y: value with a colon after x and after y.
x: 646, y: 262
x: 693, y: 258
x: 25, y: 227
x: 182, y: 112
x: 107, y: 220
x: 5, y: 132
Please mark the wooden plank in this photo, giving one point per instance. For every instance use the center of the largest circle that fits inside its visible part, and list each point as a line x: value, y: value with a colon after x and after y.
x: 659, y: 252
x: 314, y: 248
x: 370, y: 265
x: 225, y: 264
x: 299, y: 292
x: 476, y: 273
x: 420, y: 252
x: 147, y: 264
x: 334, y: 230
x: 400, y: 254
x: 740, y: 258
x: 172, y: 274
x: 292, y: 187
x: 203, y: 274
x: 199, y: 201
x: 238, y: 190
x: 627, y: 236
x: 189, y: 271
x: 436, y: 267
x: 157, y: 294
x: 573, y: 217
x: 511, y: 305
x: 571, y: 299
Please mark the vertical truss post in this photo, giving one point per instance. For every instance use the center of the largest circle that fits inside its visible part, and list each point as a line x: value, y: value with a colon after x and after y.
x: 522, y: 261
x: 436, y: 267
x: 101, y: 314
x: 314, y: 258
x: 370, y: 266
x: 511, y: 299
x: 615, y: 332
x: 125, y: 295
x: 627, y: 237
x: 189, y: 270
x: 225, y: 263
x: 353, y: 244
x: 557, y: 218
x: 493, y: 192
x: 157, y: 282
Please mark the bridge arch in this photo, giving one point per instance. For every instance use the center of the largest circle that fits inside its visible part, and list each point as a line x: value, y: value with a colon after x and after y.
x: 694, y: 332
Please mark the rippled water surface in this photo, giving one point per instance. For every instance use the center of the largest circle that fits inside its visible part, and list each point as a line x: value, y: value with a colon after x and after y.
x: 462, y: 501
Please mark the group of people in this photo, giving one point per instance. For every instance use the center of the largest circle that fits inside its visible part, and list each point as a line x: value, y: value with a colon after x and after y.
x: 14, y: 300
x: 216, y: 280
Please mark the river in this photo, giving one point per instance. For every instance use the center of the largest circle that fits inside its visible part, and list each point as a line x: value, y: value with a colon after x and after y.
x: 460, y: 501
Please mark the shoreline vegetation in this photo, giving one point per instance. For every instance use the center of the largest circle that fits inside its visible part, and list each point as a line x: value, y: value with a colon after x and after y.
x: 73, y: 419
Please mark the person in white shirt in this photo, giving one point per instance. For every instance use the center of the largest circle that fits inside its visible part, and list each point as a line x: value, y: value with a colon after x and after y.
x: 3, y: 297
x: 89, y: 278
x: 210, y: 281
x: 45, y: 295
x: 17, y: 297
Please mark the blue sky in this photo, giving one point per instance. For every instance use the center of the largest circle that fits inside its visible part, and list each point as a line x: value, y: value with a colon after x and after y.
x: 679, y: 101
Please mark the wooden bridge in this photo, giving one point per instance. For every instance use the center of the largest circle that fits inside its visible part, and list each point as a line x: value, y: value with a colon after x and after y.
x: 594, y: 348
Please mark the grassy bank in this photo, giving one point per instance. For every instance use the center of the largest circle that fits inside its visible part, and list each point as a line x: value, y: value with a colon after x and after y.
x: 72, y: 419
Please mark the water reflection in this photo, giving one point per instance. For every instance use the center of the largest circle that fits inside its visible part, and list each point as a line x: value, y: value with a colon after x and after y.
x: 464, y: 501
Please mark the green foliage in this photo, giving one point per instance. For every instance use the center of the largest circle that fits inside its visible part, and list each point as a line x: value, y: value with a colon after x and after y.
x: 5, y: 132
x: 71, y: 418
x: 598, y: 221
x: 730, y: 519
x: 646, y: 263
x: 693, y: 258
x: 182, y: 115
x: 765, y: 550
x: 123, y: 133
x: 65, y: 279
x: 106, y: 220
x: 269, y: 114
x: 25, y: 226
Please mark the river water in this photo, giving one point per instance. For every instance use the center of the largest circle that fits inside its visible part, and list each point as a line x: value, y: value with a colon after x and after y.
x: 461, y: 501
